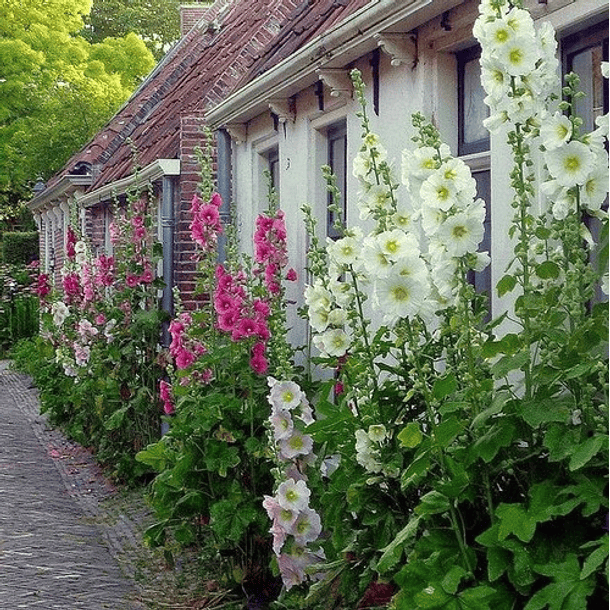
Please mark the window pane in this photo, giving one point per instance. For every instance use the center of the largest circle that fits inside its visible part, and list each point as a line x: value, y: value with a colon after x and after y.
x: 587, y: 64
x: 475, y: 110
x: 337, y: 160
x: 472, y: 110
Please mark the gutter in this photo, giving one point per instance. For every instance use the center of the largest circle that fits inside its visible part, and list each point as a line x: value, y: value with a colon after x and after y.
x: 65, y: 186
x: 352, y: 39
x: 155, y: 171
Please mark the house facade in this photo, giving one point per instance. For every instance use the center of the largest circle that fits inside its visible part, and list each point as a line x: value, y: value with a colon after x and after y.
x: 272, y: 80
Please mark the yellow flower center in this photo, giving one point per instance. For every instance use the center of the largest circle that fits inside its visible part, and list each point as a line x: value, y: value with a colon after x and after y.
x: 459, y: 231
x: 400, y: 293
x: 572, y: 164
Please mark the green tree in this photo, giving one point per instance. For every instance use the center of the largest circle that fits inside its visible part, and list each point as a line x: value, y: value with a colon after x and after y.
x: 157, y: 22
x: 56, y: 89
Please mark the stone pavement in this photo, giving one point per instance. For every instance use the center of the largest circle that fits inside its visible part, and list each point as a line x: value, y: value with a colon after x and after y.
x: 55, y: 551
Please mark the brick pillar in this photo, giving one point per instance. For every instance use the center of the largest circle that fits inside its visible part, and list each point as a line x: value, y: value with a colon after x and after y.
x: 191, y: 137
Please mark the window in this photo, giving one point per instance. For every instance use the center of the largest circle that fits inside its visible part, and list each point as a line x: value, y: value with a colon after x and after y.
x: 337, y: 160
x: 583, y: 53
x: 273, y: 160
x: 472, y: 111
x: 473, y: 146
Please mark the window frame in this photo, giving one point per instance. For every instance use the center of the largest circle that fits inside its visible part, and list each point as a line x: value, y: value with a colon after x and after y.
x: 336, y: 132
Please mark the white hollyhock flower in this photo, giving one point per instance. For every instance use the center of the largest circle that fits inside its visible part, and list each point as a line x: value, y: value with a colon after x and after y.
x: 285, y: 395
x: 400, y: 296
x: 438, y: 192
x: 337, y: 317
x: 461, y: 233
x: 376, y: 262
x: 498, y: 33
x: 494, y: 79
x: 318, y: 297
x: 342, y: 292
x: 396, y: 243
x: 555, y: 131
x: 293, y: 495
x: 344, y: 251
x: 362, y: 165
x: 334, y: 342
x: 595, y: 188
x: 377, y: 433
x: 570, y: 164
x: 519, y: 55
x: 411, y: 265
x: 60, y: 312
x: 283, y: 425
x: 318, y: 319
x: 521, y: 23
x: 431, y: 220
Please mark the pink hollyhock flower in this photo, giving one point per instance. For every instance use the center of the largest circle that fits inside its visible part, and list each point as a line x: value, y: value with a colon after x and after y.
x: 261, y: 307
x: 137, y: 221
x: 307, y: 526
x: 43, y: 286
x: 132, y: 280
x: 168, y: 408
x: 291, y: 275
x: 165, y: 391
x: 216, y: 200
x: 184, y: 358
x: 227, y: 320
x: 207, y: 375
x: 262, y: 330
x: 139, y: 232
x: 100, y: 319
x: 147, y: 276
x: 259, y: 364
x: 71, y: 284
x: 70, y: 243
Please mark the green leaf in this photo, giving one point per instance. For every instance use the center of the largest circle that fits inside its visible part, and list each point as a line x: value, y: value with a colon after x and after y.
x: 498, y: 561
x: 540, y: 412
x: 499, y: 435
x: 444, y: 386
x: 506, y: 284
x: 415, y: 471
x: 432, y: 503
x: 115, y: 421
x: 561, y: 441
x: 410, y: 436
x: 586, y: 451
x: 154, y: 456
x: 453, y: 578
x: 566, y: 591
x: 596, y: 558
x: 446, y: 432
x: 432, y: 597
x: 393, y: 552
x: 515, y: 520
x: 510, y: 363
x: 547, y: 270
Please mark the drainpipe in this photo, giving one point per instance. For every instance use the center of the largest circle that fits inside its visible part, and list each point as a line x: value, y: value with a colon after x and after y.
x: 167, y: 238
x: 223, y: 141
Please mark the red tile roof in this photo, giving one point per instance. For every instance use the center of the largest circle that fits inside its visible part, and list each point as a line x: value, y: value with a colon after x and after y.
x: 233, y: 43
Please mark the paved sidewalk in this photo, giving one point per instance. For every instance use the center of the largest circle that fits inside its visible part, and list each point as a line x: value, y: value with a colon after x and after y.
x: 52, y: 553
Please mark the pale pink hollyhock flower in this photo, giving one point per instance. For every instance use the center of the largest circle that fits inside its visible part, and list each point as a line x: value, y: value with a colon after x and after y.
x: 307, y: 526
x: 282, y: 425
x: 285, y: 395
x: 279, y: 536
x: 165, y: 391
x: 297, y: 444
x: 293, y: 495
x: 147, y: 276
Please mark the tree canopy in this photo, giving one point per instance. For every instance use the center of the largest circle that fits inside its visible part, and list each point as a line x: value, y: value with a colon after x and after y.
x: 57, y: 89
x: 157, y: 22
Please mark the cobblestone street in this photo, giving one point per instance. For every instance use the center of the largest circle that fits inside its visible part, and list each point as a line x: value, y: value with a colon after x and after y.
x: 54, y: 553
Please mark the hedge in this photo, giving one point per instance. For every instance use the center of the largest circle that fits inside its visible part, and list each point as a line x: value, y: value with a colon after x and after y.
x: 20, y: 247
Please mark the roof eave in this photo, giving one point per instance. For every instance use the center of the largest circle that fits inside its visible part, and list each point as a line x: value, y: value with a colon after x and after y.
x: 151, y: 173
x: 352, y: 39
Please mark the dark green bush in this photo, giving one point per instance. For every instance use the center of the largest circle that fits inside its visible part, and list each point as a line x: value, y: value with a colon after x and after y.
x: 20, y: 247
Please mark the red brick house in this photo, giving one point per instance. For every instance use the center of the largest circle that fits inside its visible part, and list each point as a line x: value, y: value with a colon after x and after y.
x: 163, y: 119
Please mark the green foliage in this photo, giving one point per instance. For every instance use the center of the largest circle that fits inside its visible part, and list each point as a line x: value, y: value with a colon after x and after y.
x: 57, y: 90
x: 20, y: 247
x: 157, y: 22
